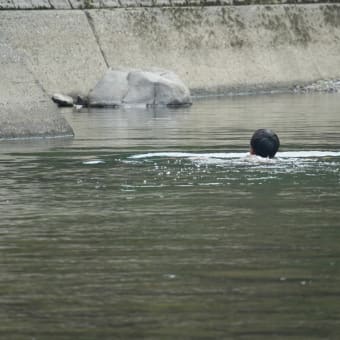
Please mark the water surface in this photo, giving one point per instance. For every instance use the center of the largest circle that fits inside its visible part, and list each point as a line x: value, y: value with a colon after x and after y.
x: 156, y: 224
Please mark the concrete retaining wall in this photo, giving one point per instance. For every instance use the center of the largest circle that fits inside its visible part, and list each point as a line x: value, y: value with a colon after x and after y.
x: 214, y: 49
x: 225, y: 48
x: 59, y: 46
x: 25, y: 108
x: 90, y: 4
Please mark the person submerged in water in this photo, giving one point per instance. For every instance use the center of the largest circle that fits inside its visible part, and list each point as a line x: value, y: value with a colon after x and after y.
x: 264, y: 143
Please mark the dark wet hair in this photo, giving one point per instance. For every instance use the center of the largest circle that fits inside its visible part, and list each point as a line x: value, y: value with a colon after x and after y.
x: 265, y: 143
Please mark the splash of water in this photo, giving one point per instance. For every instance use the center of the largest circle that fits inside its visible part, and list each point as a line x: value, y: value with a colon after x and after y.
x: 236, y: 155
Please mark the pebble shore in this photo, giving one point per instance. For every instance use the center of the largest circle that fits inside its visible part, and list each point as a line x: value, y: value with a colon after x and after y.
x: 329, y: 85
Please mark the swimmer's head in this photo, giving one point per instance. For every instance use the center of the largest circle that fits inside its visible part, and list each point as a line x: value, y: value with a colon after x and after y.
x: 264, y: 143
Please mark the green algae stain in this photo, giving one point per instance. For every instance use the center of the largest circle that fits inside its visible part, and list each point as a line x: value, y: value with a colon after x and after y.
x: 300, y: 29
x: 184, y: 18
x: 332, y: 15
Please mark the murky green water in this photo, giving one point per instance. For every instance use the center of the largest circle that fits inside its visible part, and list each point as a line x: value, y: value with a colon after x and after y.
x: 155, y: 225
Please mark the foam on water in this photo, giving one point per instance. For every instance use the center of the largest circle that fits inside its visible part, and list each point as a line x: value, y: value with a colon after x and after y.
x: 308, y: 154
x: 190, y: 155
x: 216, y: 157
x: 93, y: 162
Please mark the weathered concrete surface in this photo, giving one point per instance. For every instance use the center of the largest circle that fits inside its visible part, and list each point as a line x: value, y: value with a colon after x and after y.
x: 90, y: 4
x: 29, y: 4
x: 221, y: 49
x: 214, y: 49
x: 59, y: 46
x: 25, y: 109
x: 60, y: 4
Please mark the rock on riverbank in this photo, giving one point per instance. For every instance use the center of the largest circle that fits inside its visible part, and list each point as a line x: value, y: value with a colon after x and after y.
x: 139, y: 87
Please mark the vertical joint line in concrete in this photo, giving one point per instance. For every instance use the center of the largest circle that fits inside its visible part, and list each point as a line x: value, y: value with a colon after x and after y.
x: 93, y: 29
x: 36, y: 80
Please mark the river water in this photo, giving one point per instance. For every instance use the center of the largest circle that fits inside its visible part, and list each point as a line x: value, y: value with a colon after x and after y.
x: 155, y: 224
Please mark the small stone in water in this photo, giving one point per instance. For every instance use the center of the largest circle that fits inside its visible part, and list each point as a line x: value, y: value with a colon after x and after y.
x: 62, y: 100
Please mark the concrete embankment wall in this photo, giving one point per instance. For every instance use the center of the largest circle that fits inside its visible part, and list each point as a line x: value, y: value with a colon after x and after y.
x: 215, y: 47
x: 25, y: 108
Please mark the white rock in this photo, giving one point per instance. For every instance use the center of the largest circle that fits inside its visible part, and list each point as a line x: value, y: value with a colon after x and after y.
x: 136, y: 87
x: 62, y: 100
x: 110, y: 89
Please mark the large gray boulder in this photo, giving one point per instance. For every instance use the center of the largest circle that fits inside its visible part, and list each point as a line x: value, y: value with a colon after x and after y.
x: 139, y: 87
x: 110, y: 90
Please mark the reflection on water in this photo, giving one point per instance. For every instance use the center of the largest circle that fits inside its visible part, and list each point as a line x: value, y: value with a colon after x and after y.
x: 159, y: 225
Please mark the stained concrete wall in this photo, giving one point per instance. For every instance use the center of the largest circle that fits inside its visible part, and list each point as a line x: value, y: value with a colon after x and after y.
x: 225, y: 48
x: 90, y: 4
x: 25, y: 109
x: 214, y: 49
x: 59, y: 46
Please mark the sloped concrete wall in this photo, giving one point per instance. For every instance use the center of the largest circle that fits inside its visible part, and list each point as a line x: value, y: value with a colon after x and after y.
x: 90, y: 4
x: 226, y: 48
x: 25, y: 109
x: 59, y: 46
x: 214, y: 49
